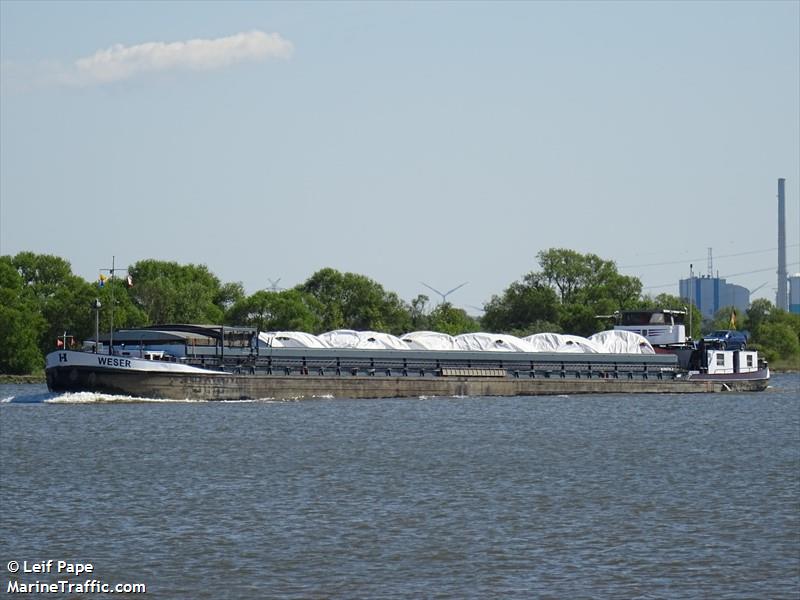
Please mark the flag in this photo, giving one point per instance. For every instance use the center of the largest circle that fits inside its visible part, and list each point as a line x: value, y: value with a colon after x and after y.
x: 102, y: 280
x: 59, y: 343
x: 130, y: 281
x: 733, y: 318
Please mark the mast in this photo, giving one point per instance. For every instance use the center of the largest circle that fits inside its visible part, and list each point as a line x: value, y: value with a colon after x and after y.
x: 112, y: 270
x: 96, y: 306
x: 111, y: 334
x: 691, y: 300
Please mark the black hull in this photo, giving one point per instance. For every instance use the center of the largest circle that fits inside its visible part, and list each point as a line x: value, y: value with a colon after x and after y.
x: 225, y: 386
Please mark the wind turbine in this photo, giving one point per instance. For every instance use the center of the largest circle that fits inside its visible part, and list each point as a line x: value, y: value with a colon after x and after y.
x: 444, y: 295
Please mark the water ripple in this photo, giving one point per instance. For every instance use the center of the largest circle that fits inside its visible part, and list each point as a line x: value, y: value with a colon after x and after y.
x: 553, y: 497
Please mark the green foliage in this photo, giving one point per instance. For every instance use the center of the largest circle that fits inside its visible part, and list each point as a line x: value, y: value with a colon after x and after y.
x: 125, y: 314
x: 40, y: 299
x: 20, y: 329
x: 351, y: 301
x: 43, y: 274
x: 571, y: 290
x: 565, y: 270
x: 418, y: 314
x: 289, y: 310
x: 21, y: 325
x: 587, y: 279
x: 171, y: 293
x: 588, y: 286
x: 448, y: 319
x: 778, y: 341
x: 722, y: 320
x: 757, y: 314
x: 445, y: 318
x: 581, y: 319
x: 774, y: 332
x: 229, y: 294
x: 524, y: 306
x: 62, y: 300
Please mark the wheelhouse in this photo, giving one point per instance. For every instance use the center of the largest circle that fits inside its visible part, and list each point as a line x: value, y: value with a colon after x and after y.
x: 661, y: 327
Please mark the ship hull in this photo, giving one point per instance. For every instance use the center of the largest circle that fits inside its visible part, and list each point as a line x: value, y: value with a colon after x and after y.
x: 178, y: 386
x: 757, y: 381
x: 83, y: 372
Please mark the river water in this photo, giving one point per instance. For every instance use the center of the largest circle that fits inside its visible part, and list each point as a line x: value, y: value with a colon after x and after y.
x: 628, y: 496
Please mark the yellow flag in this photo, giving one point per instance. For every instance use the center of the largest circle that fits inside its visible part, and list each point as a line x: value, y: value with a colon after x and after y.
x: 733, y: 318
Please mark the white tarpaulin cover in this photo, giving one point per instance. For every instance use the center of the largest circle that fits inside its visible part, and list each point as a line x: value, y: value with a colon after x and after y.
x: 612, y: 342
x: 492, y: 341
x: 374, y: 340
x: 559, y: 342
x: 429, y: 340
x: 340, y: 338
x: 290, y: 339
x: 619, y: 341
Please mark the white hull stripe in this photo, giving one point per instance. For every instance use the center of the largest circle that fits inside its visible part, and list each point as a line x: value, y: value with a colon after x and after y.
x: 70, y: 358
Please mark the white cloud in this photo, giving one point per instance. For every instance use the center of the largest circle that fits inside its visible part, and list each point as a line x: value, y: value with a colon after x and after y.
x: 123, y: 62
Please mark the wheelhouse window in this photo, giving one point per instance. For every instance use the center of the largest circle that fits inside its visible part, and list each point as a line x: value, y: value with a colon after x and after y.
x: 636, y: 318
x: 649, y: 317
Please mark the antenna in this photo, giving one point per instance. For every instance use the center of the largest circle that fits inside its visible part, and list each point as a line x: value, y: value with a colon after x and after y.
x: 273, y: 287
x: 444, y: 295
x: 112, y: 270
x: 710, y: 265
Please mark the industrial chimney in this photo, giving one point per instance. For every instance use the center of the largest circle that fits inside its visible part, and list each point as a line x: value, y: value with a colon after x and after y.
x: 781, y: 300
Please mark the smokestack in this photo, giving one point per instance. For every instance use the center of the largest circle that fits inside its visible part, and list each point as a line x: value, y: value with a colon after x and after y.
x: 782, y: 297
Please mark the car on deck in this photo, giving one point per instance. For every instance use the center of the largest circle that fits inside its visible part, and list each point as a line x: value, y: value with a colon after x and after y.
x: 726, y: 339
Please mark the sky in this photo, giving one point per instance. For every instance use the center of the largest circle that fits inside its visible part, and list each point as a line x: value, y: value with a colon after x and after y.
x: 436, y: 142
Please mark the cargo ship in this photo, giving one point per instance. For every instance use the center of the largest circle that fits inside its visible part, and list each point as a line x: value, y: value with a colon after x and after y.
x: 204, y: 362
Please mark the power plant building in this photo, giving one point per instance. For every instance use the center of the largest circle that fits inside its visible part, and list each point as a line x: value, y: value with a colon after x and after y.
x: 709, y: 294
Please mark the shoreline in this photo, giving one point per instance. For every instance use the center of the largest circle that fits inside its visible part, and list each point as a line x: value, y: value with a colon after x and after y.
x: 22, y: 379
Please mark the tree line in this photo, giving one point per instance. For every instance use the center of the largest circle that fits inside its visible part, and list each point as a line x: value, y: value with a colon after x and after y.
x: 41, y: 300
